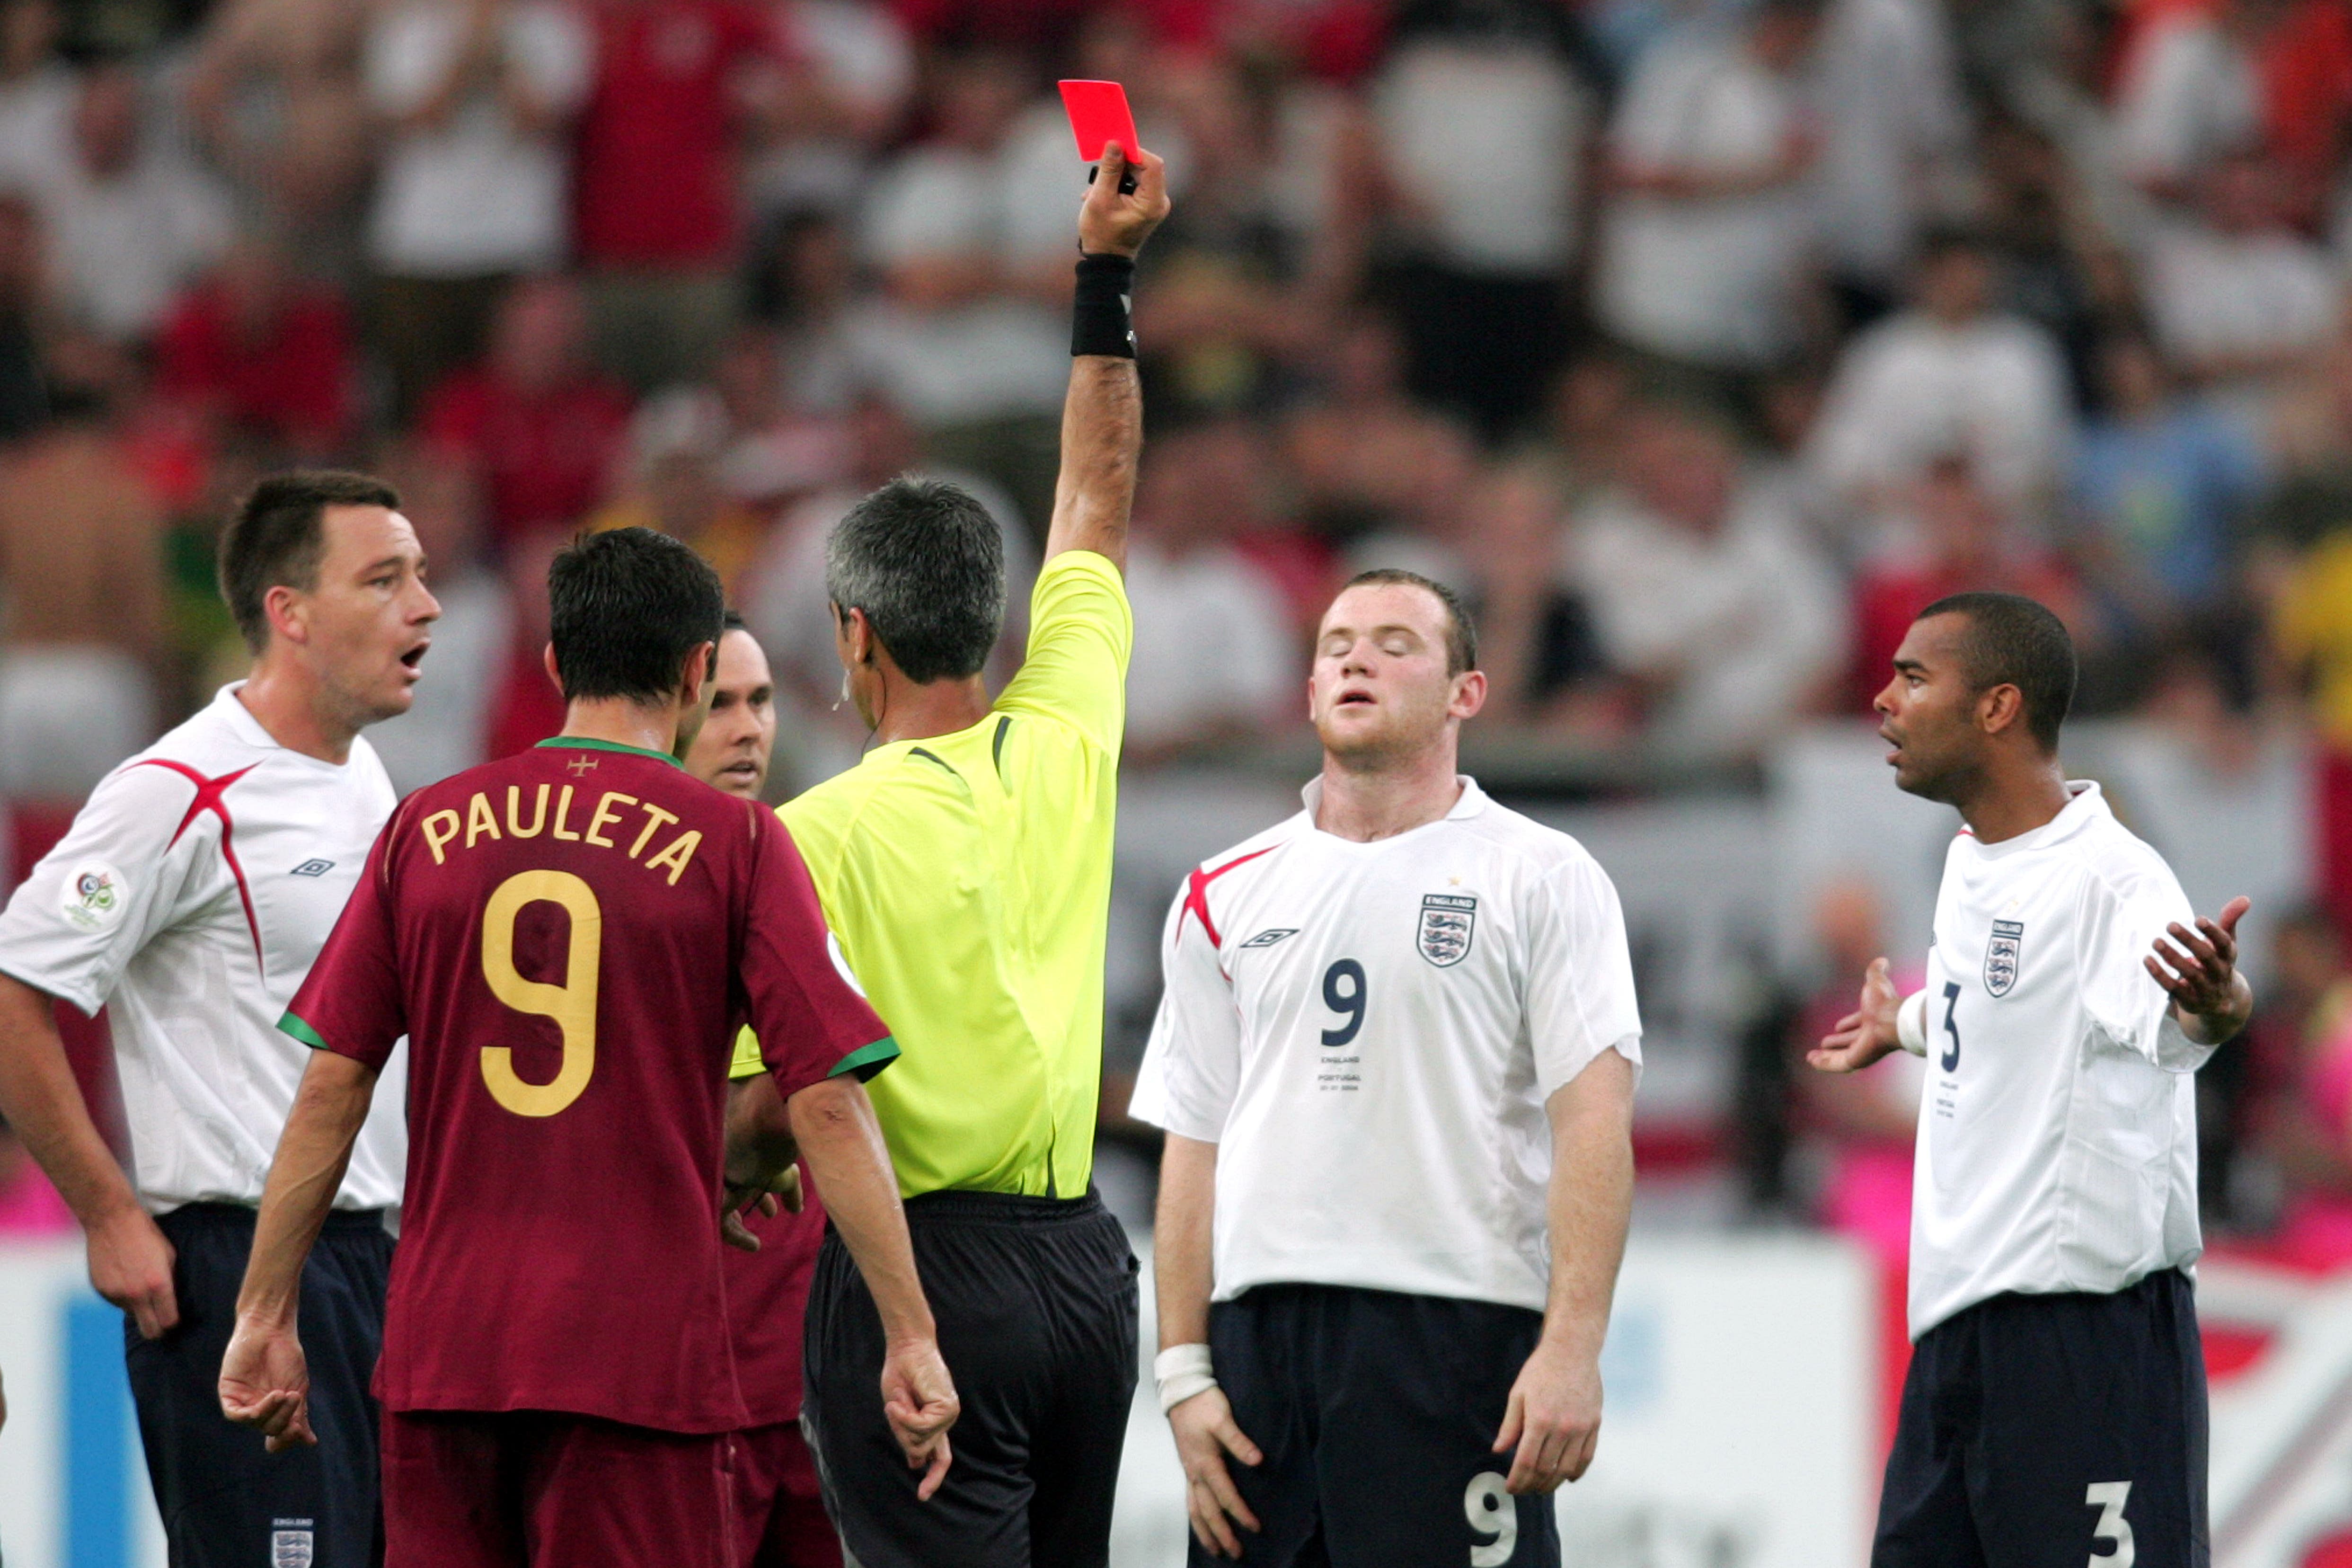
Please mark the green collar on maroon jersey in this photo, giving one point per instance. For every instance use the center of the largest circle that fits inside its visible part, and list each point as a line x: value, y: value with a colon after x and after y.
x: 610, y: 746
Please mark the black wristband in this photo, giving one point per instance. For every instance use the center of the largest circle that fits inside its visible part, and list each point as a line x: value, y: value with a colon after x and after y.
x: 1099, y: 322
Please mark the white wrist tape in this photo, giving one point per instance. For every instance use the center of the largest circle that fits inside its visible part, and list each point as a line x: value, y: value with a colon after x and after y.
x: 1911, y: 1023
x: 1181, y: 1372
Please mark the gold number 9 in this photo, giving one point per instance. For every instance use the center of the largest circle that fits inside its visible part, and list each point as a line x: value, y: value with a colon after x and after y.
x: 572, y: 1003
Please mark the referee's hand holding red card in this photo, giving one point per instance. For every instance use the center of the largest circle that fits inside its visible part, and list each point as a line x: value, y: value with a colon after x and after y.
x: 1116, y: 223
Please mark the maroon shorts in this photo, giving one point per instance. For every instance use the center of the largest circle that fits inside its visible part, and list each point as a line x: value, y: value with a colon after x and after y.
x: 780, y: 1518
x: 540, y: 1489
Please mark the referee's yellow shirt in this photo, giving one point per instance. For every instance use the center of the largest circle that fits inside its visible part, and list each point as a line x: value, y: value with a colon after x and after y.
x: 968, y: 879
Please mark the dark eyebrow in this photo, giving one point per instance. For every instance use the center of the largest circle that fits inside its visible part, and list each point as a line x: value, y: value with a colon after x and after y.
x: 1909, y: 667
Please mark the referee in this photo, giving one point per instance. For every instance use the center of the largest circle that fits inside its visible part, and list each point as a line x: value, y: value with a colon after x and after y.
x: 2054, y: 1411
x: 965, y: 867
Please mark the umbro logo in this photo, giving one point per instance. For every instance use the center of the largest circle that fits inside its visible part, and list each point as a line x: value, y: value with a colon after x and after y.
x: 314, y: 868
x: 1268, y: 938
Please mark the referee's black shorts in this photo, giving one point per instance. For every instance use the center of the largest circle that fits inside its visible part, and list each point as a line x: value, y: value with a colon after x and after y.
x: 2047, y: 1431
x: 225, y: 1500
x: 1035, y: 1301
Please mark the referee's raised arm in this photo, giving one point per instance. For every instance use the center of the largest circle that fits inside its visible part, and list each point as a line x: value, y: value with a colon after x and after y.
x: 1102, y: 420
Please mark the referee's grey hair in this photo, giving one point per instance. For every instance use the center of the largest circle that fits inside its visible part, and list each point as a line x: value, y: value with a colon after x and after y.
x: 926, y: 563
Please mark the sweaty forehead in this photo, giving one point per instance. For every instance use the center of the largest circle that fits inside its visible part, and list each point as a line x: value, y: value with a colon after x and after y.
x: 1375, y: 606
x: 1936, y: 642
x: 354, y: 537
x: 741, y: 662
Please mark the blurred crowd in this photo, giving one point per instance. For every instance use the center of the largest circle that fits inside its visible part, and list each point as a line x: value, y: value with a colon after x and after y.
x: 1699, y: 343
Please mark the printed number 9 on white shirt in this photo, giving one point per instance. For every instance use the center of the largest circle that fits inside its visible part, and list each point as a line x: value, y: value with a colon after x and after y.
x: 1491, y: 1511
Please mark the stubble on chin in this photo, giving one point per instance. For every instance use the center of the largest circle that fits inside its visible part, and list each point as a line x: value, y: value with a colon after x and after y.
x: 1359, y: 752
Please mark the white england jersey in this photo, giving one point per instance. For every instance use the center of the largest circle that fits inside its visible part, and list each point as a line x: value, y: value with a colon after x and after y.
x: 1369, y: 1033
x: 2058, y: 1126
x: 190, y: 895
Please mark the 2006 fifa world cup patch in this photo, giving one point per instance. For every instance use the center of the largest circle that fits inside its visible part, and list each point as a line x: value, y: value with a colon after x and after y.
x: 94, y: 897
x: 1448, y: 921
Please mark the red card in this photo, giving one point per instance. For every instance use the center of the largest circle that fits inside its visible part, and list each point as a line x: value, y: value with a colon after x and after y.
x: 1098, y: 114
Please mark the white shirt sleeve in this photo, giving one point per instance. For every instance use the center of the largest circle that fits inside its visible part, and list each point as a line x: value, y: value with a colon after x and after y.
x: 114, y: 882
x: 2120, y: 919
x: 1192, y: 1068
x: 1579, y: 975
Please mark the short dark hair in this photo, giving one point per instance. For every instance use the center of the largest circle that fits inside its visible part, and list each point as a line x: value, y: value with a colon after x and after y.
x: 1461, y: 631
x: 733, y: 622
x: 2012, y: 640
x: 277, y: 536
x: 926, y: 563
x: 626, y: 609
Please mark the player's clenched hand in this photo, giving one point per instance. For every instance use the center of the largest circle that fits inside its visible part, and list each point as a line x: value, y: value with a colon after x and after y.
x: 1552, y: 1423
x: 2201, y: 972
x: 1205, y: 1434
x: 1868, y: 1033
x: 1111, y: 224
x: 266, y: 1382
x: 131, y: 1266
x: 919, y: 1400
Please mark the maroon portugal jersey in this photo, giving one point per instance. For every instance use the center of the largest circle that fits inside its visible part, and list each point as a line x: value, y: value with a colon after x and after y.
x: 570, y: 939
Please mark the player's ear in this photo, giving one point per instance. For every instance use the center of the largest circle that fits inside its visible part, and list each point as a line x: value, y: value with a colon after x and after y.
x: 2000, y: 708
x: 546, y: 662
x: 1469, y: 694
x: 700, y: 665
x: 288, y: 613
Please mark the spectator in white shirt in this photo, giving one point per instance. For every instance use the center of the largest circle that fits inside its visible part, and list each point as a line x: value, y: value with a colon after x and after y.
x: 1950, y: 373
x: 1483, y: 126
x: 2191, y: 92
x: 475, y: 96
x: 1708, y: 228
x: 1894, y: 134
x: 1705, y: 590
x: 849, y: 69
x: 2239, y: 299
x: 128, y: 224
x: 37, y: 96
x: 1191, y: 590
x: 980, y: 366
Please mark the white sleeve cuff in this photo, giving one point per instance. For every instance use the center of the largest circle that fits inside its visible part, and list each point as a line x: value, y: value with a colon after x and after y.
x: 1181, y: 1372
x: 1911, y: 1023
